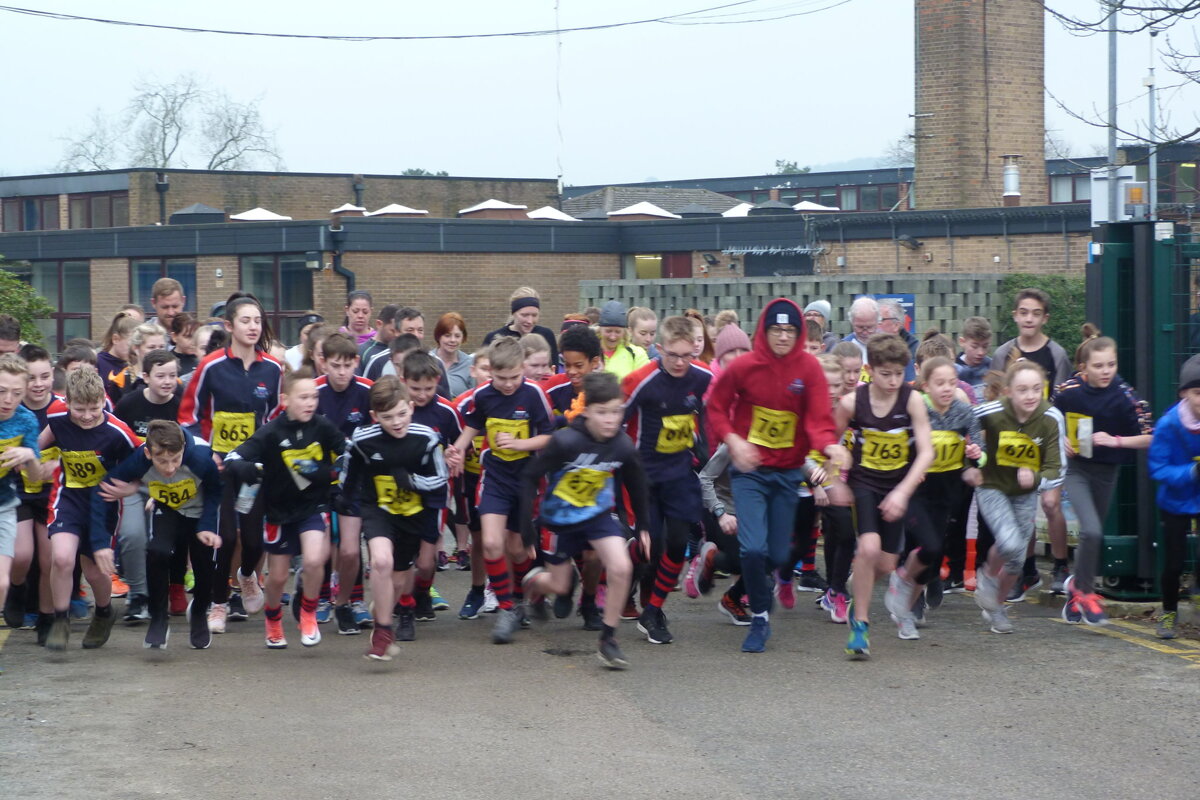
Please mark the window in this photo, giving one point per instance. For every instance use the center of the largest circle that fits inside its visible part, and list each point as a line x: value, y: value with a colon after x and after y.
x: 889, y: 196
x: 31, y: 214
x: 284, y: 286
x: 828, y: 197
x: 1070, y: 188
x: 143, y: 272
x: 66, y: 285
x: 99, y: 210
x: 789, y: 196
x: 869, y: 197
x: 849, y: 199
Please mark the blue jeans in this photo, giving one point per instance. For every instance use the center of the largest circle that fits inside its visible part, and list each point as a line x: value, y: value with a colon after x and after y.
x: 766, y: 509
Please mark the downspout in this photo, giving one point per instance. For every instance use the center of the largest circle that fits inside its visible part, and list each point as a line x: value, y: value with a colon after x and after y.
x: 161, y: 185
x: 338, y: 238
x: 949, y: 240
x: 1066, y: 241
x: 895, y: 243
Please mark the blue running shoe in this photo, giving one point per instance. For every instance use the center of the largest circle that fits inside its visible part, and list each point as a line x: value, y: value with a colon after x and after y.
x: 80, y: 608
x: 472, y: 605
x: 324, y: 612
x: 859, y: 645
x: 756, y: 639
x: 30, y: 622
x: 362, y: 614
x: 439, y: 604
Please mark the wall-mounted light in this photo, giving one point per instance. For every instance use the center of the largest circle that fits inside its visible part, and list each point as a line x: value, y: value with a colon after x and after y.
x: 710, y: 259
x: 312, y: 260
x: 733, y: 264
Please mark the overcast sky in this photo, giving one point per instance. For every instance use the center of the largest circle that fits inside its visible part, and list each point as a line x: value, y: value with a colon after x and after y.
x: 638, y: 103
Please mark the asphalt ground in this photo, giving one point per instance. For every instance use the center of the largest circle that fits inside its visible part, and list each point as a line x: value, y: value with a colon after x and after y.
x: 1051, y: 710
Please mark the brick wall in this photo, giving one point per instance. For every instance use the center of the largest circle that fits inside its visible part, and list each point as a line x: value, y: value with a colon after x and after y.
x: 110, y: 291
x: 312, y: 197
x: 1042, y: 253
x: 980, y: 76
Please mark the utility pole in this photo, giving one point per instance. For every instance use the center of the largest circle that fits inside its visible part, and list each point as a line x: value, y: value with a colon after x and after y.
x: 1113, y: 213
x: 1152, y: 183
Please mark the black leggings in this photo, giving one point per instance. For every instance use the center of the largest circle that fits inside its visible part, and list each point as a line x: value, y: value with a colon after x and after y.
x: 1176, y: 528
x: 171, y: 533
x: 939, y: 496
x: 230, y: 526
x: 803, y: 542
x: 837, y: 526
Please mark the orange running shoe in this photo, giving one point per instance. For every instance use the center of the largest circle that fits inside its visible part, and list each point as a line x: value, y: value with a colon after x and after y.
x: 310, y: 632
x: 275, y: 637
x: 119, y: 587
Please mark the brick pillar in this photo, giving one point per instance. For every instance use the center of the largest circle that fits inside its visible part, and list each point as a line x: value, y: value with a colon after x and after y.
x: 980, y: 75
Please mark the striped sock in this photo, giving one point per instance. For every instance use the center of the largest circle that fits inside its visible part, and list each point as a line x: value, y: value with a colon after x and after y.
x: 497, y: 571
x: 520, y: 570
x: 421, y: 586
x: 274, y: 614
x: 308, y: 605
x: 664, y: 581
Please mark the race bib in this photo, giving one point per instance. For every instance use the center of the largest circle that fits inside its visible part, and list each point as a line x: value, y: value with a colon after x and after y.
x: 471, y: 459
x: 772, y: 429
x: 519, y: 428
x: 677, y: 434
x: 82, y: 469
x: 6, y: 444
x: 314, y: 452
x: 35, y: 487
x: 949, y: 451
x: 394, y: 500
x: 883, y: 451
x: 230, y: 429
x: 173, y: 495
x: 581, y: 486
x: 1073, y: 428
x: 1018, y: 450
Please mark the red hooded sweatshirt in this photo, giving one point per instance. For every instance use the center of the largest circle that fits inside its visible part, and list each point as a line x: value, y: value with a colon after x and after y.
x: 780, y: 404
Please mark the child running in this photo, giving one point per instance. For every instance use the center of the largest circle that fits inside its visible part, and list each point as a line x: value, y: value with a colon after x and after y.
x: 585, y: 464
x: 18, y: 450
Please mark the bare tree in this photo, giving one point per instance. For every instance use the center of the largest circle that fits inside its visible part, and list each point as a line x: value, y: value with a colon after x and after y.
x: 98, y: 147
x: 900, y: 153
x: 162, y: 118
x: 232, y: 134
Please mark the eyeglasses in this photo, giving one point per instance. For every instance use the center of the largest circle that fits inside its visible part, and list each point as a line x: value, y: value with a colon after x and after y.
x: 782, y: 330
x: 867, y: 328
x: 676, y: 356
x: 888, y: 319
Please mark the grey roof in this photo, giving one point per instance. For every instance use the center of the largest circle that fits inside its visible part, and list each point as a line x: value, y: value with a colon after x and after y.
x: 697, y: 210
x: 614, y: 198
x: 198, y: 208
x: 595, y: 213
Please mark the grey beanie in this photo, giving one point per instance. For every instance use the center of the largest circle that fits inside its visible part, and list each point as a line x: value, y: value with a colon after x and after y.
x: 1189, y: 374
x: 614, y: 315
x: 822, y: 307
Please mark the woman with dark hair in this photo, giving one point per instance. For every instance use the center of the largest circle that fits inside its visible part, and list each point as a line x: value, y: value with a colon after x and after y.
x: 358, y: 317
x: 526, y: 307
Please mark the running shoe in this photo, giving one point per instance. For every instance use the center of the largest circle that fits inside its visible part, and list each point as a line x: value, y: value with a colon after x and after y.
x: 756, y: 638
x: 346, y: 624
x: 689, y: 580
x: 1166, y: 625
x: 439, y: 604
x: 383, y: 645
x: 653, y: 623
x: 310, y: 630
x: 630, y: 611
x: 324, y: 612
x: 918, y: 611
x: 897, y: 597
x: 157, y: 633
x: 464, y: 561
x: 443, y: 561
x: 858, y: 646
x: 934, y: 591
x: 563, y: 603
x: 59, y: 634
x: 811, y: 581
x: 275, y: 637
x: 177, y: 600
x: 13, y: 613
x: 424, y: 609
x: 538, y: 609
x: 1058, y: 579
x: 472, y: 605
x: 999, y: 620
x: 1023, y: 586
x: 199, y: 636
x: 593, y: 619
x: 508, y: 622
x: 1072, y: 611
x: 44, y: 623
x: 29, y: 622
x: 786, y: 592
x: 119, y: 587
x: 491, y: 604
x: 237, y: 610
x: 406, y: 625
x: 987, y: 591
x: 189, y: 581
x: 838, y: 606
x: 252, y: 594
x: 100, y: 629
x: 610, y: 654
x: 705, y: 572
x: 906, y: 628
x: 217, y: 614
x: 736, y: 612
x: 1093, y: 609
x: 954, y: 585
x: 137, y: 609
x: 362, y: 614
x: 79, y: 606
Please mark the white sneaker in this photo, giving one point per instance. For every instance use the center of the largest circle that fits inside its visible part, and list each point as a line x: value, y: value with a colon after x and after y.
x: 896, y: 599
x: 987, y: 591
x: 217, y: 613
x: 907, y: 628
x: 490, y: 603
x: 252, y: 594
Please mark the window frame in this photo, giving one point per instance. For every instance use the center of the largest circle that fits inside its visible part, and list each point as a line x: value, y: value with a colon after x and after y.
x: 87, y: 199
x: 276, y: 315
x: 59, y: 317
x: 42, y: 200
x: 189, y: 304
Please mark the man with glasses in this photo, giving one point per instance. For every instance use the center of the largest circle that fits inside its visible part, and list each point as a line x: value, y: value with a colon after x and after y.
x: 771, y: 407
x: 864, y: 319
x: 891, y: 321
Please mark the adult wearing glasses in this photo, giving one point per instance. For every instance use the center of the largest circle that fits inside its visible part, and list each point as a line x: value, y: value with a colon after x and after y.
x: 891, y: 321
x: 864, y: 319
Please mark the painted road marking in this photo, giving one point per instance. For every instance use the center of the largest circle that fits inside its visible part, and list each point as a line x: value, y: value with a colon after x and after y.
x: 4, y: 637
x: 1187, y: 653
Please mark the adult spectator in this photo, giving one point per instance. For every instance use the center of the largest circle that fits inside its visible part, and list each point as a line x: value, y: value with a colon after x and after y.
x: 167, y: 298
x: 891, y: 321
x: 358, y: 316
x: 864, y: 320
x: 525, y: 305
x: 449, y: 333
x: 819, y: 311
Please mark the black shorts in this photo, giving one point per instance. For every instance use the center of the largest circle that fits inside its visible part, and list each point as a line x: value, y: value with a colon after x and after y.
x: 36, y: 509
x: 403, y: 532
x: 563, y: 544
x: 869, y: 519
x: 284, y: 539
x: 678, y: 498
x: 465, y: 513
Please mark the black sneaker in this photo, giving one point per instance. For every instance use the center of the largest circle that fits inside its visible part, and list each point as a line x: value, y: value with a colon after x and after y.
x: 424, y: 611
x: 593, y: 619
x: 158, y: 633
x: 1058, y: 579
x: 954, y: 585
x: 199, y: 636
x: 564, y: 602
x: 347, y: 625
x: 14, y: 613
x: 653, y: 623
x: 1021, y: 589
x: 610, y: 654
x: 137, y: 609
x: 44, y: 623
x: 811, y: 581
x: 238, y: 611
x: 463, y: 560
x: 406, y: 625
x: 934, y: 591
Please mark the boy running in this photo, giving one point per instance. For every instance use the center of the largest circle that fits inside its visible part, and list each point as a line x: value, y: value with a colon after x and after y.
x: 18, y: 450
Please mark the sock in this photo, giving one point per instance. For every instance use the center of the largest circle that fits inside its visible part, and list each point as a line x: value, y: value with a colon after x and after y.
x: 497, y: 571
x: 308, y: 605
x: 356, y: 594
x: 422, y: 586
x: 104, y: 611
x: 60, y: 615
x: 608, y: 632
x: 476, y: 588
x: 273, y: 614
x: 326, y: 583
x: 587, y: 599
x: 1060, y: 563
x: 1030, y: 567
x: 520, y: 570
x: 664, y: 582
x: 408, y: 601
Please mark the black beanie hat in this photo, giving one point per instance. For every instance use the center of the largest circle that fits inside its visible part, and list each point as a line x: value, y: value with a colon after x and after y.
x: 782, y: 312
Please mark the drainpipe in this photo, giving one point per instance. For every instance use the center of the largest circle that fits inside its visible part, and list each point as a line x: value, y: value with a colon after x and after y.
x: 949, y: 240
x: 338, y: 237
x: 161, y: 185
x: 359, y: 186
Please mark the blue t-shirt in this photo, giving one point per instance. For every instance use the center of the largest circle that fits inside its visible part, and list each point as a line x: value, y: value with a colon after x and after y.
x: 19, y: 430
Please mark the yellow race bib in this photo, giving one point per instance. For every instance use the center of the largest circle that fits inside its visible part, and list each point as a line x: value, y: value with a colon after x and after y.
x: 5, y: 444
x: 394, y: 500
x: 1018, y: 450
x: 772, y: 429
x: 49, y: 455
x: 230, y: 429
x: 519, y: 428
x: 82, y: 468
x: 173, y: 495
x: 677, y: 434
x: 883, y: 451
x: 581, y: 486
x: 1073, y: 428
x: 471, y: 460
x: 314, y: 452
x: 949, y: 451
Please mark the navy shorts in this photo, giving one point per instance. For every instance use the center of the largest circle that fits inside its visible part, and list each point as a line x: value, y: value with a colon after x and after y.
x: 869, y: 519
x: 284, y: 539
x: 564, y: 543
x: 68, y: 517
x: 405, y: 534
x: 500, y: 494
x: 678, y: 498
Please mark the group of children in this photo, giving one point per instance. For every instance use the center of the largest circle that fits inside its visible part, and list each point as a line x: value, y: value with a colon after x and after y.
x: 618, y: 463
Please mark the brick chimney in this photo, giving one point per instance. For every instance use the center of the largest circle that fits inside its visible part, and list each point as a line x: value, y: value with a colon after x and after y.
x: 979, y: 96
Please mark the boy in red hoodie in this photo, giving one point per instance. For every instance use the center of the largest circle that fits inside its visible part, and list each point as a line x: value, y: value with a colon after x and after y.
x: 771, y: 407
